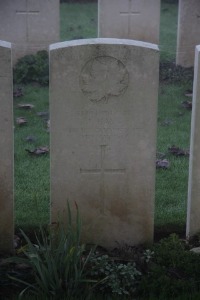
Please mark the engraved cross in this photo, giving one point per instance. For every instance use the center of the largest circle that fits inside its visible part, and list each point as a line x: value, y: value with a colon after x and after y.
x: 130, y: 13
x: 102, y: 171
x: 27, y: 12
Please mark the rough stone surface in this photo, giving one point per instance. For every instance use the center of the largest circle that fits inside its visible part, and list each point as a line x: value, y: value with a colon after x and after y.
x: 30, y: 25
x: 188, y: 32
x: 193, y: 210
x: 103, y: 109
x: 129, y: 19
x: 6, y: 149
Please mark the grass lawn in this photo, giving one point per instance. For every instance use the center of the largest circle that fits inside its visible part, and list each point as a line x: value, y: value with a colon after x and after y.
x: 32, y: 173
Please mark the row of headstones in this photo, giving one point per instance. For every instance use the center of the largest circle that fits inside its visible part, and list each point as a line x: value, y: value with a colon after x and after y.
x: 103, y: 111
x: 140, y: 19
x: 31, y: 25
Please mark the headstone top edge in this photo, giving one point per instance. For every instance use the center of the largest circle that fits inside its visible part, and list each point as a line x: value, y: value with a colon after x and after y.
x: 198, y: 48
x: 5, y: 44
x: 105, y: 41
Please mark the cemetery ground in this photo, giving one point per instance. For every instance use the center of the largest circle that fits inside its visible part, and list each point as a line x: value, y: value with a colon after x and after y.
x: 166, y: 270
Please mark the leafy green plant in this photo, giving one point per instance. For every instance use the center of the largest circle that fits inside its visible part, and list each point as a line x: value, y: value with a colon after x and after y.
x: 174, y: 270
x: 32, y: 68
x: 59, y: 262
x: 118, y: 278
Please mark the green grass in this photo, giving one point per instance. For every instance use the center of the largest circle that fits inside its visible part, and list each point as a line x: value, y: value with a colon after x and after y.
x: 171, y: 184
x: 32, y: 173
x: 78, y: 21
x: 168, y: 29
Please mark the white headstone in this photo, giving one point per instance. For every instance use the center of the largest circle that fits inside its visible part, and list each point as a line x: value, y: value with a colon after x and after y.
x: 103, y: 104
x: 193, y: 210
x: 30, y: 25
x: 6, y: 149
x: 129, y: 19
x: 188, y: 32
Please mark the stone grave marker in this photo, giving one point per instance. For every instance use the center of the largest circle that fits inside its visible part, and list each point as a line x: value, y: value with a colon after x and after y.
x: 103, y: 99
x: 129, y: 19
x: 193, y: 209
x: 6, y: 149
x: 30, y: 25
x: 188, y: 35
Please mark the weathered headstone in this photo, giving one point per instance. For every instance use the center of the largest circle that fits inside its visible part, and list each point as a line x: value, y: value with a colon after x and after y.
x: 193, y: 210
x: 6, y: 149
x: 30, y: 25
x: 103, y: 99
x: 129, y: 19
x: 188, y: 32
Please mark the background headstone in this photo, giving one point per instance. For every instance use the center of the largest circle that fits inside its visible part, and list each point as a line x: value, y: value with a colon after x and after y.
x: 188, y: 35
x: 6, y: 149
x: 103, y: 99
x: 30, y: 25
x: 193, y: 210
x: 129, y: 19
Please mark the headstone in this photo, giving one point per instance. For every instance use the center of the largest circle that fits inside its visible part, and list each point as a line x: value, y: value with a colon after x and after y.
x: 193, y: 209
x: 129, y: 19
x: 188, y: 32
x: 30, y: 25
x: 103, y: 99
x: 6, y: 149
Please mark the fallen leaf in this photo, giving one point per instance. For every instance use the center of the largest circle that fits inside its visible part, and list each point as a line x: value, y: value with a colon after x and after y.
x: 189, y: 95
x: 25, y: 106
x: 42, y: 114
x: 187, y: 104
x: 178, y: 151
x: 21, y: 121
x: 38, y: 151
x: 18, y: 92
x: 162, y: 164
x: 30, y: 138
x: 48, y: 125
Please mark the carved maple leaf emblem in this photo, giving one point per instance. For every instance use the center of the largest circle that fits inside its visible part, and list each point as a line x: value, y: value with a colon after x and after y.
x: 103, y: 77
